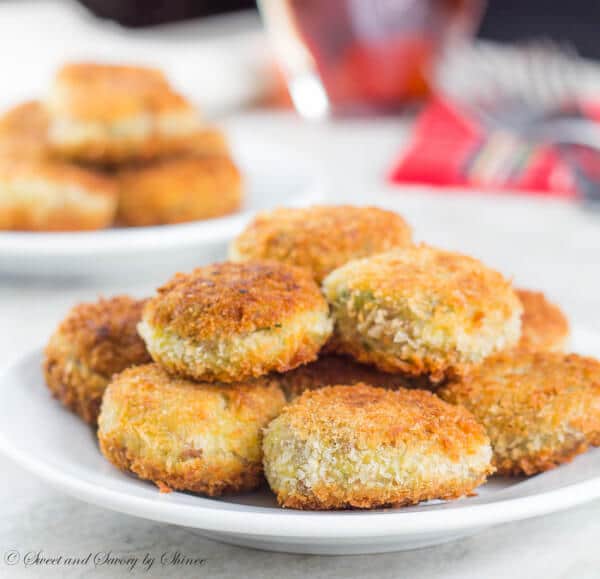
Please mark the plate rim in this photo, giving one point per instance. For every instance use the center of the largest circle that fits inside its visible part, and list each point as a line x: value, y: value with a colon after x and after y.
x: 292, y: 524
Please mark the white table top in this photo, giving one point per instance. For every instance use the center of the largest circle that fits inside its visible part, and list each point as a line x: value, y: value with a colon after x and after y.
x: 558, y: 252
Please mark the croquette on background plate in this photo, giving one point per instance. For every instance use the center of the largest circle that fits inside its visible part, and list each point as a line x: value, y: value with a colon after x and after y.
x: 178, y: 189
x: 112, y: 145
x: 104, y: 113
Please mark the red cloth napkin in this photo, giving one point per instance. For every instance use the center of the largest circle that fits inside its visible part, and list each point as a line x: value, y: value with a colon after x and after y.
x: 448, y: 148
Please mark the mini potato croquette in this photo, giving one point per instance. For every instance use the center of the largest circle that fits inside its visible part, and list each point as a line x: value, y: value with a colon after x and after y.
x: 176, y: 190
x: 108, y: 114
x: 23, y: 131
x: 421, y: 310
x: 364, y: 447
x: 539, y: 409
x: 543, y: 324
x: 231, y: 321
x: 330, y: 370
x: 184, y: 435
x: 45, y: 195
x: 320, y: 238
x: 94, y: 341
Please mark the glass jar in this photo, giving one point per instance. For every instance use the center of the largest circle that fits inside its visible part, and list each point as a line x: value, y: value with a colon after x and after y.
x: 356, y: 56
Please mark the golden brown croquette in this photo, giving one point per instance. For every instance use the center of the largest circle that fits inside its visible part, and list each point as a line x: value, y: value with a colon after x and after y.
x: 364, y: 447
x: 23, y: 130
x: 320, y: 238
x: 232, y: 321
x: 44, y: 195
x: 539, y: 409
x: 421, y: 310
x: 109, y: 114
x: 185, y: 435
x: 94, y: 341
x: 543, y: 325
x: 180, y: 189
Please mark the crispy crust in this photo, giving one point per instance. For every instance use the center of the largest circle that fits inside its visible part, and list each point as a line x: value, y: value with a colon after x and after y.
x: 179, y: 189
x: 540, y: 409
x: 543, y: 325
x: 372, y: 417
x: 197, y: 437
x: 228, y: 299
x: 361, y: 418
x: 328, y: 498
x: 320, y: 238
x: 219, y: 480
x: 94, y: 341
x: 230, y: 322
x: 329, y: 370
x: 545, y: 460
x: 421, y: 310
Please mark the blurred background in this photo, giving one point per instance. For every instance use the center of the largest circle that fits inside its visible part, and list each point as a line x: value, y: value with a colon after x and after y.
x: 485, y: 95
x: 390, y: 45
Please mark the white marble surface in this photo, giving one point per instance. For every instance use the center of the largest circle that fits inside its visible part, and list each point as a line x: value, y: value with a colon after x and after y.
x: 556, y: 248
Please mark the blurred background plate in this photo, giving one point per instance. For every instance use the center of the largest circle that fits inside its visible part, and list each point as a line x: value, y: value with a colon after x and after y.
x: 57, y: 446
x: 273, y: 175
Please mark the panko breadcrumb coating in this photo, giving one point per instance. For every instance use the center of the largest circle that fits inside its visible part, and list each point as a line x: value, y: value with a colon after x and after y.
x: 94, y: 341
x: 330, y: 370
x: 543, y: 325
x: 108, y: 114
x: 364, y: 447
x: 180, y: 189
x: 320, y: 238
x: 421, y: 310
x: 232, y: 321
x: 184, y: 435
x: 44, y: 195
x: 539, y: 409
x: 23, y: 131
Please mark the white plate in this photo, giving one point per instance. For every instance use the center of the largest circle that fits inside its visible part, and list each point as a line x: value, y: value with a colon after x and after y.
x: 52, y: 443
x: 273, y: 176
